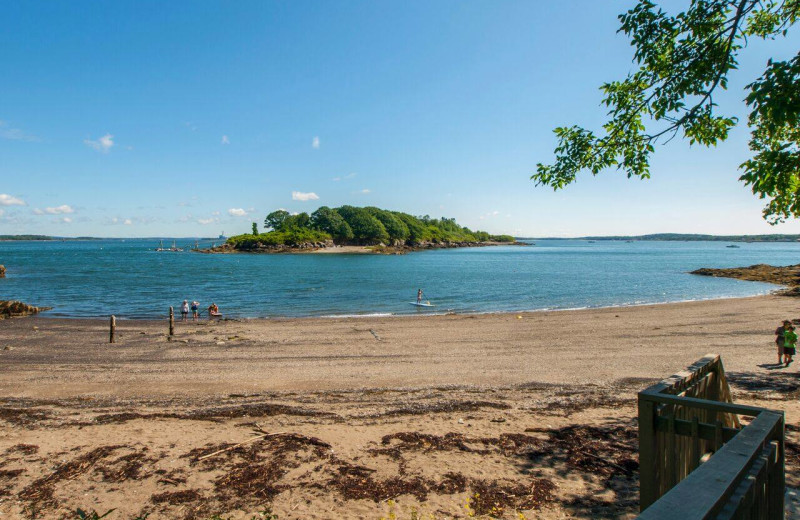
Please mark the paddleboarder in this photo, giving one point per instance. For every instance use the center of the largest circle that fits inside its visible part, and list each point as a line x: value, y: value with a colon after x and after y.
x: 419, y: 296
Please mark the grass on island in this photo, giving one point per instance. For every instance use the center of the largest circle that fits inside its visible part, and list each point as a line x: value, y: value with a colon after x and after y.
x: 349, y: 225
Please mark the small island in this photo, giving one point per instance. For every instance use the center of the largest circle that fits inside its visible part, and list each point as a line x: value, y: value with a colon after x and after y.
x: 350, y: 229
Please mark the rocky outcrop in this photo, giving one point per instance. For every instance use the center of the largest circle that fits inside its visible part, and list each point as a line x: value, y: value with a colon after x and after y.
x: 2, y: 271
x: 260, y: 247
x: 381, y: 248
x: 12, y: 309
x: 788, y: 275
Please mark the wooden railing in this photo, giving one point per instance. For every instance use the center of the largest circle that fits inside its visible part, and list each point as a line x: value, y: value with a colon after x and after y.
x: 697, y: 461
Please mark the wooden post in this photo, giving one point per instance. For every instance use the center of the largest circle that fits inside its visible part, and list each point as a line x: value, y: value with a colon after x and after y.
x: 647, y: 454
x: 113, y: 329
x: 171, y: 322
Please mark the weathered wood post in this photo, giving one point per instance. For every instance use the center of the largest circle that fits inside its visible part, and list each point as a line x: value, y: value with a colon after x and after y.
x: 113, y: 329
x: 648, y: 486
x: 171, y: 321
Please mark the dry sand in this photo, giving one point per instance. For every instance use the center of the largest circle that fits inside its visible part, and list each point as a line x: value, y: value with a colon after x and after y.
x: 531, y: 412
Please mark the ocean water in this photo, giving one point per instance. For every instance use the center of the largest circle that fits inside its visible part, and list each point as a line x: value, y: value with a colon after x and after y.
x: 129, y: 279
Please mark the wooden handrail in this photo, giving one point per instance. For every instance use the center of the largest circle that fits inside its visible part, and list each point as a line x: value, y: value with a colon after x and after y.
x: 703, y: 493
x: 689, y: 416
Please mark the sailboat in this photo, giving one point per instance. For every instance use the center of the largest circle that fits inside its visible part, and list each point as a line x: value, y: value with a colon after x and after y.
x: 163, y: 249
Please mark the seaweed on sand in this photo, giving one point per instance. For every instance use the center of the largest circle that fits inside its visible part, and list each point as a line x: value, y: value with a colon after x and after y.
x: 494, y: 497
x: 40, y: 491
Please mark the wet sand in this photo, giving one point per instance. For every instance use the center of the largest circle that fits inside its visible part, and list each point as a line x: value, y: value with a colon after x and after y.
x: 531, y: 412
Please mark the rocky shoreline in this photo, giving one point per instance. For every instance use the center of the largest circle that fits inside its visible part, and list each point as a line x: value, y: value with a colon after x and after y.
x: 788, y: 275
x: 330, y: 247
x: 14, y: 309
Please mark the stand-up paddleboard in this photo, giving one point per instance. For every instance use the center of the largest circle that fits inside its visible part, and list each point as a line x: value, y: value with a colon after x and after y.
x: 426, y: 304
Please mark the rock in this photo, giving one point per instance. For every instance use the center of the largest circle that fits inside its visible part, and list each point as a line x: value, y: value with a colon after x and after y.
x: 2, y: 271
x: 9, y: 309
x: 782, y: 275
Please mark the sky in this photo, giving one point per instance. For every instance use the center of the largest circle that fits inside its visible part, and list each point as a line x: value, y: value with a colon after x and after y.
x: 127, y: 119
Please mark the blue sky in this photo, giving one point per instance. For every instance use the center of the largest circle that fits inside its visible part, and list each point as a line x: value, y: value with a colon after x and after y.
x: 190, y: 119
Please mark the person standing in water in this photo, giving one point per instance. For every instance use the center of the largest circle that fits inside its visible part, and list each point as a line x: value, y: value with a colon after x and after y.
x: 195, y: 309
x: 419, y: 296
x: 185, y: 310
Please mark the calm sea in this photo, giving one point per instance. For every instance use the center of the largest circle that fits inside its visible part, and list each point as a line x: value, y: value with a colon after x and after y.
x: 129, y: 279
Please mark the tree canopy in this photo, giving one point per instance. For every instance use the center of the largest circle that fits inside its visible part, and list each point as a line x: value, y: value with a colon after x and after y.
x: 683, y: 59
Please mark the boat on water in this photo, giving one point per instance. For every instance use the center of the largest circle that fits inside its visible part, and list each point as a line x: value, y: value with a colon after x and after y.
x: 162, y: 249
x: 732, y: 246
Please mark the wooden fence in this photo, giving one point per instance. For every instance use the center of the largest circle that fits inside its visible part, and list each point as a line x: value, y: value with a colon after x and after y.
x: 697, y: 461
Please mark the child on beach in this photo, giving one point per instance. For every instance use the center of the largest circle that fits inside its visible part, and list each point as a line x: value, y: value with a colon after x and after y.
x: 779, y: 332
x: 185, y: 310
x: 195, y: 309
x: 789, y: 344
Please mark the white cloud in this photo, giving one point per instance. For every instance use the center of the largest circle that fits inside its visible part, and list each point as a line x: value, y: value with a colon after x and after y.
x: 315, y: 143
x: 206, y: 221
x: 225, y: 140
x: 128, y: 222
x: 1, y: 212
x: 237, y: 212
x: 66, y: 220
x: 15, y: 134
x: 8, y: 200
x: 58, y: 210
x: 215, y: 213
x: 362, y: 192
x: 104, y: 144
x: 299, y: 195
x: 348, y: 176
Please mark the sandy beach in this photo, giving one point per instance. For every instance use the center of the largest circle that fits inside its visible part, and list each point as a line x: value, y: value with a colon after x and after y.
x: 524, y: 412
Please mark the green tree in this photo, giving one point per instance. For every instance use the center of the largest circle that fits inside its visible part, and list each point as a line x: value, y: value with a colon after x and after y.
x: 395, y: 227
x: 683, y: 59
x: 276, y: 219
x: 328, y: 220
x: 299, y: 221
x: 255, y: 228
x: 366, y: 228
x: 417, y: 232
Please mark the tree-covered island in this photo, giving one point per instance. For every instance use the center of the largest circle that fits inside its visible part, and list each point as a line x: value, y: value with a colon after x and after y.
x: 374, y: 229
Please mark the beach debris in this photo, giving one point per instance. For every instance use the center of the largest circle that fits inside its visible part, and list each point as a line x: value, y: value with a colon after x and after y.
x: 248, y: 441
x: 12, y: 309
x: 220, y: 343
x: 41, y: 491
x: 375, y: 334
